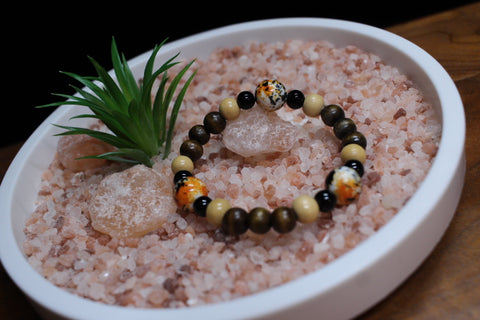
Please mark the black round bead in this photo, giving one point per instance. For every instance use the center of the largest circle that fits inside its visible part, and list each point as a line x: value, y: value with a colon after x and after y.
x: 245, y: 100
x: 326, y: 200
x: 356, y: 165
x: 329, y: 179
x: 192, y: 149
x: 295, y: 99
x: 259, y: 220
x: 214, y: 122
x: 180, y: 175
x: 355, y: 137
x: 284, y: 219
x: 331, y: 114
x: 200, y: 205
x: 235, y: 221
x: 199, y: 133
x: 344, y: 127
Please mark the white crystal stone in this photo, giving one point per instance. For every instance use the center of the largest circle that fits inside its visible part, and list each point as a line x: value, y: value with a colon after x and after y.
x: 132, y: 203
x: 72, y: 147
x: 257, y: 132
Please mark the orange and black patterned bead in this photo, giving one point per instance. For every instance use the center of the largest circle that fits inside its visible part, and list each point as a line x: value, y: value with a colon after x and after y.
x: 187, y: 190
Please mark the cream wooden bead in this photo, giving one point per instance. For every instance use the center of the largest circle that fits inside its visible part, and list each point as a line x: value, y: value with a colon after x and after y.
x: 229, y: 109
x: 307, y: 209
x: 353, y: 151
x: 313, y: 105
x: 182, y: 163
x: 216, y: 210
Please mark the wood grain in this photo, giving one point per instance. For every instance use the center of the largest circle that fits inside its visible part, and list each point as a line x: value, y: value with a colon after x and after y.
x: 447, y: 284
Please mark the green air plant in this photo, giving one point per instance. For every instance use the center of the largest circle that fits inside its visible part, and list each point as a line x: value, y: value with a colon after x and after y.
x: 137, y: 121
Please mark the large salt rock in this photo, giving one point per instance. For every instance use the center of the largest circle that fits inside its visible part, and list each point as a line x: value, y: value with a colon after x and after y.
x: 132, y: 202
x: 257, y: 132
x: 72, y: 147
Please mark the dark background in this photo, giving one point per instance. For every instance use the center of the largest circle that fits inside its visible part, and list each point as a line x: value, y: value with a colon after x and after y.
x: 41, y: 39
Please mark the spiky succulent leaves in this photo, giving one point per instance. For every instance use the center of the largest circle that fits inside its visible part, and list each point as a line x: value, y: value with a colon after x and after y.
x: 138, y: 127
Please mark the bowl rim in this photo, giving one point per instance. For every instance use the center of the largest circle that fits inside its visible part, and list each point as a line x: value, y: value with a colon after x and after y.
x: 450, y: 153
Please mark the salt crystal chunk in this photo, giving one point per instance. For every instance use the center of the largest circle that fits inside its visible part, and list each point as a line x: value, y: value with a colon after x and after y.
x: 80, y: 264
x: 72, y: 147
x: 391, y: 201
x: 257, y: 255
x: 257, y: 132
x: 192, y: 301
x: 132, y: 203
x: 338, y: 241
x: 366, y: 229
x: 97, y: 291
x: 50, y: 214
x: 320, y: 247
x: 182, y: 224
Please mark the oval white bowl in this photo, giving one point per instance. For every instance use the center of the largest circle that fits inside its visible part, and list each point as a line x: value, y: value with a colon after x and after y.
x: 342, y: 289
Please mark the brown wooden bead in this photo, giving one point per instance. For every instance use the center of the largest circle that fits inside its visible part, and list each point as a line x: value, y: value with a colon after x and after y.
x: 259, y: 220
x: 214, y: 122
x: 235, y: 222
x: 355, y: 137
x: 192, y: 149
x: 199, y: 133
x: 331, y: 114
x: 283, y: 219
x: 344, y: 127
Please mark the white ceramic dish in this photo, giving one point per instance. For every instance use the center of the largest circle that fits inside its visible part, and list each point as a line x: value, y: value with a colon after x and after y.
x: 342, y: 289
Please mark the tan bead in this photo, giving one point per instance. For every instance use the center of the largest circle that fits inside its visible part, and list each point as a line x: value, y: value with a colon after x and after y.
x: 306, y: 208
x: 216, y: 210
x: 353, y: 152
x: 229, y: 109
x: 182, y: 163
x: 313, y: 105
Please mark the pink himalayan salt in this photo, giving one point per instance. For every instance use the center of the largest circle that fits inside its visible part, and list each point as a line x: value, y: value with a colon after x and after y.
x: 205, y: 267
x: 72, y: 147
x: 257, y: 132
x: 132, y: 203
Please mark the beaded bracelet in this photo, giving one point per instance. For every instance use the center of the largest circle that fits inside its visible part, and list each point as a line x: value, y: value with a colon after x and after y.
x: 343, y: 184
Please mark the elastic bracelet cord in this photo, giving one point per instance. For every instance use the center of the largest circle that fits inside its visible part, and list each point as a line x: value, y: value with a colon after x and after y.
x: 342, y: 185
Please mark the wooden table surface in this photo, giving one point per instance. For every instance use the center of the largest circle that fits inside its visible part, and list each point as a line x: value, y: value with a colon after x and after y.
x: 447, y: 284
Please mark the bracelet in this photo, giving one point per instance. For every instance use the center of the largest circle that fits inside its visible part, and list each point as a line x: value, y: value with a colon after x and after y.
x: 342, y: 185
